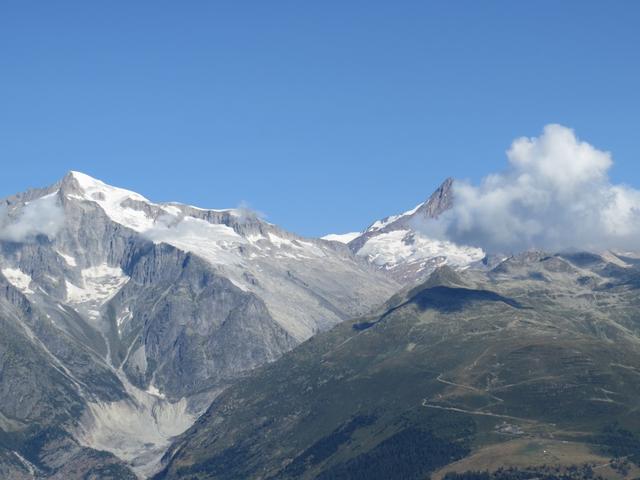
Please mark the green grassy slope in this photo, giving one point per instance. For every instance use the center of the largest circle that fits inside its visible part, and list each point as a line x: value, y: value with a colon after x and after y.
x: 541, y: 347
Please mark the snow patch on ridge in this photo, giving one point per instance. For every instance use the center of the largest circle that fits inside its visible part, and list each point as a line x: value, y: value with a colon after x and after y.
x: 217, y: 243
x: 380, y: 224
x: 99, y: 284
x: 18, y: 279
x: 341, y: 237
x: 393, y: 248
x: 111, y: 199
x: 71, y: 261
x: 214, y: 242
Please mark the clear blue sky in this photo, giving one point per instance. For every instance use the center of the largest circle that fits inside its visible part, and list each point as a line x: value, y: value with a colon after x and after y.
x: 325, y: 115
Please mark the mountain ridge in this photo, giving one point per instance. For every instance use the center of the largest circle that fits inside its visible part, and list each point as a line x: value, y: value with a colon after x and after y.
x: 148, y: 311
x: 398, y: 245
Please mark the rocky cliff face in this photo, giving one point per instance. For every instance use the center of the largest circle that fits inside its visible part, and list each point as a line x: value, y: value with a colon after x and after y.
x: 123, y: 318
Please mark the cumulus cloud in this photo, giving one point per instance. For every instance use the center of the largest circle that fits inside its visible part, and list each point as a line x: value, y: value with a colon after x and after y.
x: 40, y: 217
x: 555, y: 194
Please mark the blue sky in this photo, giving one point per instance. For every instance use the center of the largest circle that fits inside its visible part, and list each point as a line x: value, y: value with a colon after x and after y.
x: 324, y: 115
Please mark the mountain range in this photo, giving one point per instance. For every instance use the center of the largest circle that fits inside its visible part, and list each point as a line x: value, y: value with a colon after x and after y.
x: 532, y: 363
x: 147, y: 339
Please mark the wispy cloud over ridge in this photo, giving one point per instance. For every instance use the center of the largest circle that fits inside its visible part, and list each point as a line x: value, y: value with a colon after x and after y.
x: 43, y: 216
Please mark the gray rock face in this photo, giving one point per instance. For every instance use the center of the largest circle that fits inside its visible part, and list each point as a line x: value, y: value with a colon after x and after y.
x: 439, y: 202
x: 122, y: 318
x: 190, y: 329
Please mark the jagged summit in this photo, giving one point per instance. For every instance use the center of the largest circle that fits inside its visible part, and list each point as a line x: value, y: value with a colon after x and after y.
x: 127, y: 207
x: 96, y: 189
x: 439, y: 202
x: 398, y: 245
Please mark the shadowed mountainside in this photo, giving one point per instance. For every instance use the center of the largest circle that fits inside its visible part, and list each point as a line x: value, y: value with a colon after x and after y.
x: 542, y: 347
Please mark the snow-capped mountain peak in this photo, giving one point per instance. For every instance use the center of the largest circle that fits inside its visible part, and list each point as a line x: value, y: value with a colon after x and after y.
x: 126, y: 207
x: 115, y: 297
x: 98, y: 190
x: 251, y: 252
x: 395, y: 243
x: 440, y: 201
x: 119, y: 204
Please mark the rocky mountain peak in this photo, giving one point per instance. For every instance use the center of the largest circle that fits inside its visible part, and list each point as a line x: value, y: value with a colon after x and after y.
x: 397, y: 244
x: 439, y: 202
x: 444, y: 276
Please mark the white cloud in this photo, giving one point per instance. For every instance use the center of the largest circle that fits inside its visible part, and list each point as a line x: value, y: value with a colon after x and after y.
x: 247, y: 214
x: 40, y: 217
x: 555, y: 194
